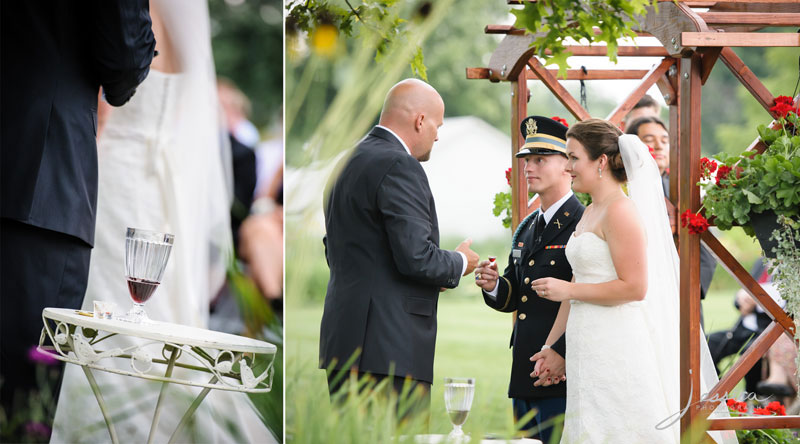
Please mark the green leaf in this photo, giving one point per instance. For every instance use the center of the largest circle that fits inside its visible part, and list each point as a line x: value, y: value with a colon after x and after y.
x: 752, y: 198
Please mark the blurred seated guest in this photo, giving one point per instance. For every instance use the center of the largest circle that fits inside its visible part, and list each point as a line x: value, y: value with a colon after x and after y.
x: 645, y: 107
x: 236, y: 108
x: 261, y: 240
x: 782, y: 367
x: 752, y: 322
x: 244, y: 185
x: 653, y: 132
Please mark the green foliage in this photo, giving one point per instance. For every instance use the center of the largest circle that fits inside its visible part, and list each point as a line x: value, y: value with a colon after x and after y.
x: 556, y: 20
x: 246, y: 43
x: 785, y: 270
x: 502, y: 207
x: 383, y: 18
x: 758, y: 182
x: 766, y: 436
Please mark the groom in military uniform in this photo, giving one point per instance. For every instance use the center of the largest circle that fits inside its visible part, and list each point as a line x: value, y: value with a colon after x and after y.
x: 537, y: 251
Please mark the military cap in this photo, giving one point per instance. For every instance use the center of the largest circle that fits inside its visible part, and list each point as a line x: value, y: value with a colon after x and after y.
x: 543, y: 135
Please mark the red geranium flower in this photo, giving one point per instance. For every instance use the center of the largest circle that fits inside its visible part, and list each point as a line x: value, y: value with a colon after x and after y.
x: 741, y: 407
x: 783, y: 106
x: 722, y: 173
x: 707, y: 166
x: 508, y: 176
x: 695, y: 222
x: 731, y: 402
x: 760, y: 411
x: 777, y: 408
x: 560, y: 120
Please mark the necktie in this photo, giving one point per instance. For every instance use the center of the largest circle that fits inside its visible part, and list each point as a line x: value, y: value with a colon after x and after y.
x: 539, y: 229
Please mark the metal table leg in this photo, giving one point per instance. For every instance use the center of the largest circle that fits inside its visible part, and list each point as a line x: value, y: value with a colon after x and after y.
x: 191, y: 410
x: 101, y: 403
x: 170, y: 366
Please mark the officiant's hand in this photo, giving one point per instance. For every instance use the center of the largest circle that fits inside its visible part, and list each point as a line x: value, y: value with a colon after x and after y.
x: 550, y: 368
x: 486, y: 276
x: 551, y: 289
x: 472, y: 257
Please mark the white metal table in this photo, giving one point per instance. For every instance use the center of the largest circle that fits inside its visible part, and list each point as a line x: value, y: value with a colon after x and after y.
x: 76, y: 338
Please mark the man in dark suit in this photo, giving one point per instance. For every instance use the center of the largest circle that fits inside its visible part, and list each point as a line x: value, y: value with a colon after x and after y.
x: 382, y: 248
x: 56, y: 56
x: 537, y: 251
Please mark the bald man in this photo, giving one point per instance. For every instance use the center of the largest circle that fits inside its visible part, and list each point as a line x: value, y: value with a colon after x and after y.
x: 382, y: 248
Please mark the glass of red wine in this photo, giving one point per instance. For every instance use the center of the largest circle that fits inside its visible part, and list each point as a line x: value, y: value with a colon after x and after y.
x: 146, y: 256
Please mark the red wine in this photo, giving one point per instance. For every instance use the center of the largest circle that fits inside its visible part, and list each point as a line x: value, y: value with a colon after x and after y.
x: 458, y: 417
x: 141, y: 289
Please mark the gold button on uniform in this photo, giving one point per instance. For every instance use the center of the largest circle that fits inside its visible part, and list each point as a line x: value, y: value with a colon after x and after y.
x: 515, y: 262
x: 531, y: 263
x: 524, y: 299
x: 552, y: 262
x: 522, y: 316
x: 527, y: 279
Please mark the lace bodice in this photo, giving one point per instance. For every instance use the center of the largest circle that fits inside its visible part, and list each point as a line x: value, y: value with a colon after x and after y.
x: 590, y: 258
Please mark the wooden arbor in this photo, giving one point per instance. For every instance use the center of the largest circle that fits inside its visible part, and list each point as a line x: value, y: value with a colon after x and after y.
x: 693, y: 40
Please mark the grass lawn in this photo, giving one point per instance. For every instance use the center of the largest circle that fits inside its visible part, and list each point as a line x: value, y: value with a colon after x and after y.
x: 472, y: 341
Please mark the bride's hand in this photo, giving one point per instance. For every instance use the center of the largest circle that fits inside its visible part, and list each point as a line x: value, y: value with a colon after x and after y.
x: 550, y: 368
x: 551, y: 289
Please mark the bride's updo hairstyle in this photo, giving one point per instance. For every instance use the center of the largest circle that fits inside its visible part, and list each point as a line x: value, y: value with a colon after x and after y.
x: 600, y: 137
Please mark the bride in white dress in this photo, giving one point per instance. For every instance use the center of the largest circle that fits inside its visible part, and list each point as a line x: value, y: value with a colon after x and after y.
x: 620, y: 312
x: 161, y: 167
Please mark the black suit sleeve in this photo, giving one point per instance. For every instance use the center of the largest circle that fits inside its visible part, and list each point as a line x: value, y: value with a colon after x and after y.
x: 506, y: 289
x: 403, y: 200
x: 123, y: 46
x: 560, y: 346
x: 707, y: 267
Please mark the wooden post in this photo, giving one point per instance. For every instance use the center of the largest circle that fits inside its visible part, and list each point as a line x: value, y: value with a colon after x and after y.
x: 689, y: 84
x: 519, y: 189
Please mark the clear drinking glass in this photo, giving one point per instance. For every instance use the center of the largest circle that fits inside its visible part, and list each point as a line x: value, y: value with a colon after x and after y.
x: 146, y: 256
x: 458, y: 393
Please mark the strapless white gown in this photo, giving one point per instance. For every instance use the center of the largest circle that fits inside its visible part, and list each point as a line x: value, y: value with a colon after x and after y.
x: 612, y: 394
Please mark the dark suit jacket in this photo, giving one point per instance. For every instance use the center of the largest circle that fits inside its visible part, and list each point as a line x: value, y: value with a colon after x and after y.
x: 707, y: 262
x: 56, y: 55
x: 386, y: 267
x: 527, y: 262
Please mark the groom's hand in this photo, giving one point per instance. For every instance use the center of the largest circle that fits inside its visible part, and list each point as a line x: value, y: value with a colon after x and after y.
x: 486, y: 276
x: 550, y: 368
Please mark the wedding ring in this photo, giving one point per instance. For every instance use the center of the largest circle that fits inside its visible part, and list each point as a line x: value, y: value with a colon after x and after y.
x: 477, y: 276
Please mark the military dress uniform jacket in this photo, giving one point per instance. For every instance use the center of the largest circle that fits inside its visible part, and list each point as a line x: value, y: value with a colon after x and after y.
x: 530, y: 260
x: 386, y: 267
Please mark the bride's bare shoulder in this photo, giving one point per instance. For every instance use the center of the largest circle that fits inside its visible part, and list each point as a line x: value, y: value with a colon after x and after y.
x: 622, y: 214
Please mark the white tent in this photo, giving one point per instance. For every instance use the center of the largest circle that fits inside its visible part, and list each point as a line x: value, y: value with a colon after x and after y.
x: 466, y: 169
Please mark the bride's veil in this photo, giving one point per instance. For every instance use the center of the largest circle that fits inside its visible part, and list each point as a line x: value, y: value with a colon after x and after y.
x: 662, y: 300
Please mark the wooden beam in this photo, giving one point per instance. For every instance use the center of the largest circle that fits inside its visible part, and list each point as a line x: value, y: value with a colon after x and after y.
x: 729, y: 263
x: 665, y: 85
x: 751, y: 18
x: 477, y: 73
x: 622, y: 51
x: 747, y: 78
x: 748, y: 39
x: 595, y: 74
x: 710, y: 56
x: 572, y: 74
x: 689, y: 245
x: 652, y: 77
x: 558, y: 90
x: 755, y: 422
x: 753, y: 354
x: 502, y: 29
